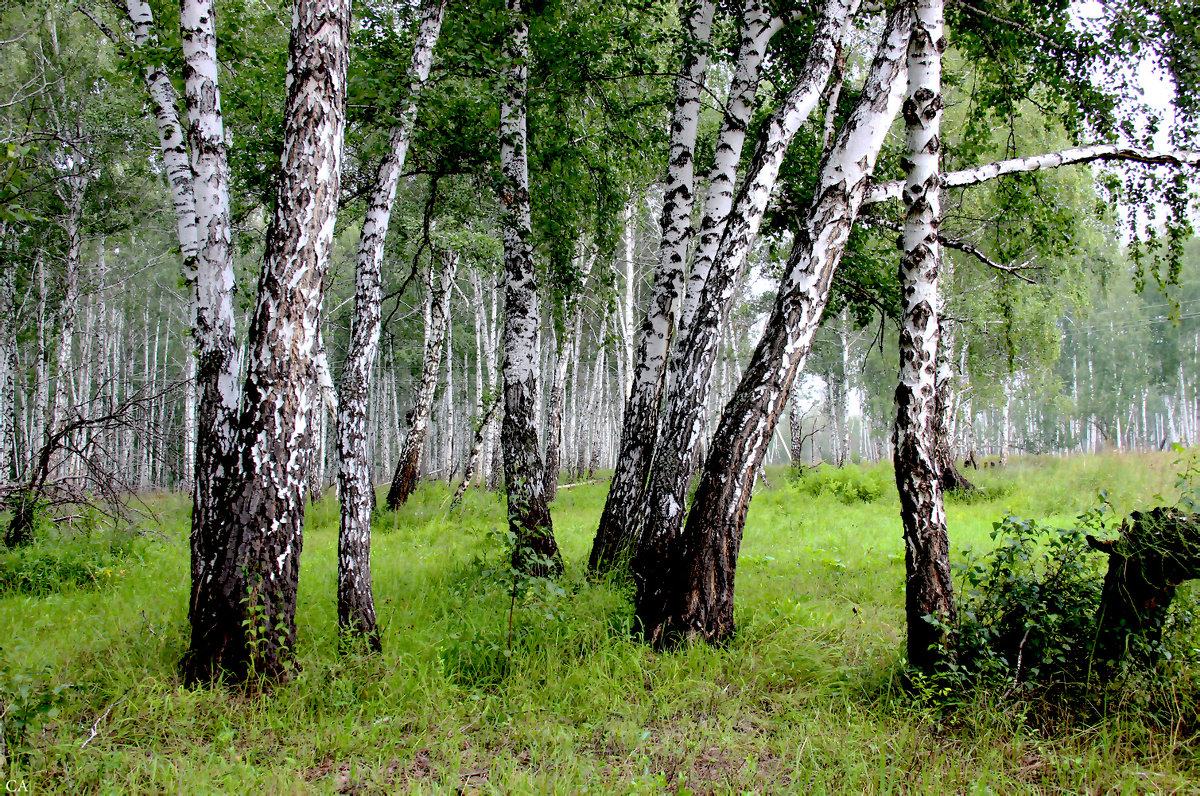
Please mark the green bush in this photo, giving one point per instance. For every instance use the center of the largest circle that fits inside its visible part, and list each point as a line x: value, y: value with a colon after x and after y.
x: 51, y: 565
x: 849, y: 484
x: 1028, y: 607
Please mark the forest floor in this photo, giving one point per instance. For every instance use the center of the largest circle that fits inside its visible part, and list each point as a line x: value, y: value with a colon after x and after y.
x: 807, y: 699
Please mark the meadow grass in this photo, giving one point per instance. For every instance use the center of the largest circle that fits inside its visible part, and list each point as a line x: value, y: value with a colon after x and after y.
x: 806, y: 699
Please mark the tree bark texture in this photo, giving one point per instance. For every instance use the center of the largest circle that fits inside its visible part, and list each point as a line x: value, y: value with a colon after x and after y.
x: 929, y: 587
x: 943, y: 443
x: 408, y: 468
x: 356, y: 494
x: 1156, y: 552
x: 691, y: 363
x: 243, y: 617
x: 621, y: 518
x: 171, y: 139
x: 210, y: 269
x: 757, y: 28
x: 535, y: 550
x: 685, y: 582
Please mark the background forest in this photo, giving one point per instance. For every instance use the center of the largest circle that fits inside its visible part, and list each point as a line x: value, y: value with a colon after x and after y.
x: 542, y: 295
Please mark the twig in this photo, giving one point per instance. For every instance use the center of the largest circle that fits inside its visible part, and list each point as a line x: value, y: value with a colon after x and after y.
x: 96, y: 724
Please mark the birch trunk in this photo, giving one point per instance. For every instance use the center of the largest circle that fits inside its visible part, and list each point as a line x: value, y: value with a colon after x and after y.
x: 171, y: 141
x: 685, y: 582
x: 407, y: 475
x: 929, y: 587
x: 758, y: 27
x: 244, y: 616
x: 9, y: 366
x: 535, y: 550
x: 356, y: 494
x: 621, y: 517
x: 692, y: 361
x: 211, y: 270
x: 568, y: 350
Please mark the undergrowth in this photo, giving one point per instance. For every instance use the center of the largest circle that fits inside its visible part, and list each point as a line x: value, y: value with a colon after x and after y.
x: 478, y: 690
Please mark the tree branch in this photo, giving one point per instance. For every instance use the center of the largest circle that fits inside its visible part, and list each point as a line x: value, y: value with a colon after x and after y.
x: 1052, y: 160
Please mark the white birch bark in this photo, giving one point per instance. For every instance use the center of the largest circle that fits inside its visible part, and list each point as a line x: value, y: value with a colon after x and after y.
x: 356, y: 606
x: 244, y: 619
x: 440, y: 287
x: 929, y: 588
x: 535, y: 549
x: 622, y: 507
x: 692, y: 360
x: 171, y: 141
x: 211, y: 269
x: 684, y: 581
x: 1052, y: 160
x: 758, y: 27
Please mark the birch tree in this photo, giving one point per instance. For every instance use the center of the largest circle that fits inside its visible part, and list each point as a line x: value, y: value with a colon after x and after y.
x: 356, y: 605
x: 685, y: 581
x: 621, y: 518
x: 440, y: 283
x: 929, y: 588
x: 535, y: 549
x: 244, y: 612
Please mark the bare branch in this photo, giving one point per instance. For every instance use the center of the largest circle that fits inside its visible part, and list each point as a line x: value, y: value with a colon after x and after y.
x: 1178, y: 158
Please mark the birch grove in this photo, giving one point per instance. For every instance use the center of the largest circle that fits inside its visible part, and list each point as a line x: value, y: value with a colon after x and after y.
x: 545, y: 258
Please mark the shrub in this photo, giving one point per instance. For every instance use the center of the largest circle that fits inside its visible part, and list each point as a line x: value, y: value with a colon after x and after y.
x: 51, y: 565
x: 849, y: 484
x: 1028, y: 607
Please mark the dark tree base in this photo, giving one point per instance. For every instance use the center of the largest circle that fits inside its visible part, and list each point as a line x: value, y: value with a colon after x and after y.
x: 1157, y: 550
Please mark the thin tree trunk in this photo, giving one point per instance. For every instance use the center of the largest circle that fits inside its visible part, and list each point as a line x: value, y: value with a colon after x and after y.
x: 535, y: 550
x: 568, y: 350
x: 9, y: 365
x: 247, y: 621
x: 356, y: 604
x: 407, y: 475
x: 210, y: 268
x: 685, y: 582
x: 473, y: 460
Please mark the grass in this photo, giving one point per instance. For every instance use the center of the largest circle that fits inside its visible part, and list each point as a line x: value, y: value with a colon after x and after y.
x: 805, y: 700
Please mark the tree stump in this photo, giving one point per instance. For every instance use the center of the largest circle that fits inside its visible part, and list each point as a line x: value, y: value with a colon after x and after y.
x: 1156, y: 551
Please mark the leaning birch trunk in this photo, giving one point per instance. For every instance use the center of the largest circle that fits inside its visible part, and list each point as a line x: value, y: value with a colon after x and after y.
x: 211, y: 271
x: 177, y: 166
x: 758, y: 27
x: 407, y: 475
x: 535, y: 550
x: 474, y: 458
x: 621, y: 518
x: 244, y: 615
x: 171, y: 141
x: 693, y: 357
x: 356, y: 493
x: 685, y: 583
x: 929, y: 588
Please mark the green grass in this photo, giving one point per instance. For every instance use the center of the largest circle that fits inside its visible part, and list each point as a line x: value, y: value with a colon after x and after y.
x: 805, y: 700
